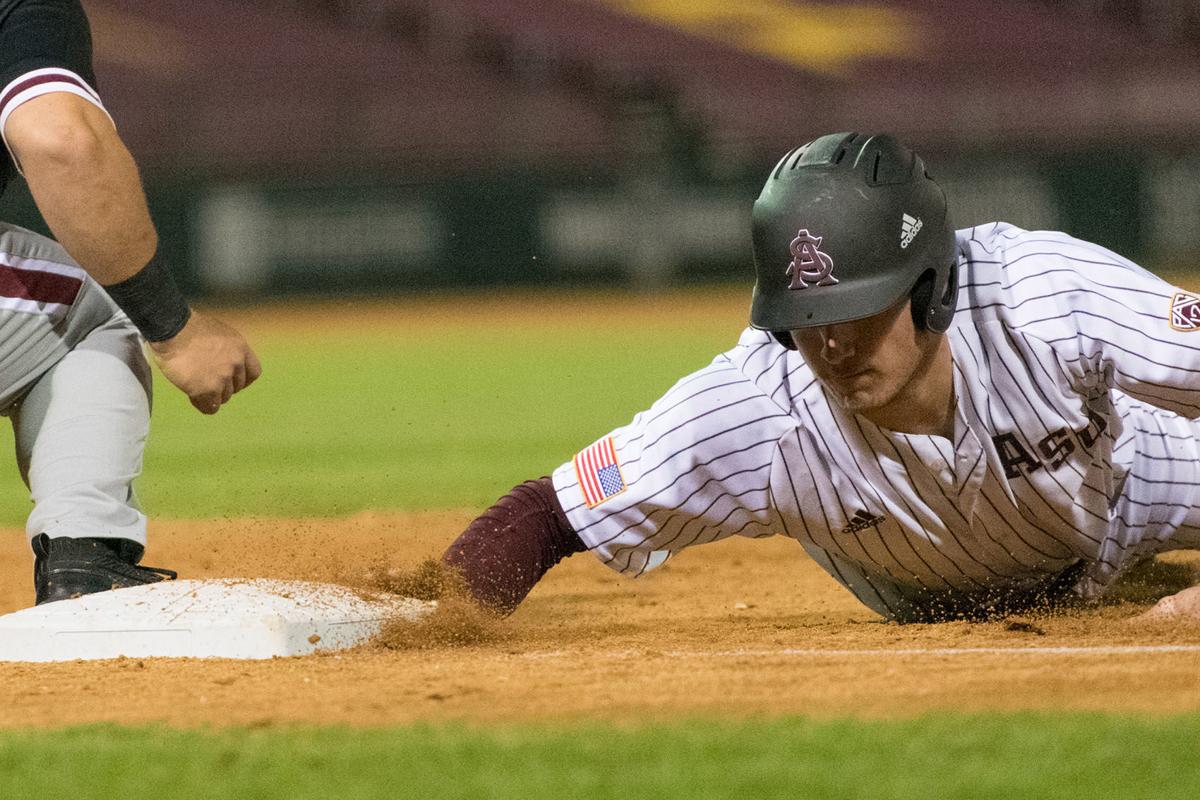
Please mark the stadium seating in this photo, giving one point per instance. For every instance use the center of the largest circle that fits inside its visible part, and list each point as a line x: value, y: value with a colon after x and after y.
x: 461, y: 85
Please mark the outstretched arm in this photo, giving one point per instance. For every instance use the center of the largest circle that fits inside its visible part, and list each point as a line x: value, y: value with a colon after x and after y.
x: 504, y: 553
x: 693, y: 469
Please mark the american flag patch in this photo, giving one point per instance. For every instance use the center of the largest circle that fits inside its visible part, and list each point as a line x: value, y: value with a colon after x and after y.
x: 599, y: 475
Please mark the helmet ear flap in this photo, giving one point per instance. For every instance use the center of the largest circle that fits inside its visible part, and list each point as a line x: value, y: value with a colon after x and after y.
x: 922, y: 299
x: 932, y: 313
x: 785, y: 339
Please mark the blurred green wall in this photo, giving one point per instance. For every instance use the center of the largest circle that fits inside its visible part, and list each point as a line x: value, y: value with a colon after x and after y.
x: 291, y: 234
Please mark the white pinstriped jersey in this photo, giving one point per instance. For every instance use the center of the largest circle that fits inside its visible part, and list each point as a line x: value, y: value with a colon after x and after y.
x: 1075, y: 377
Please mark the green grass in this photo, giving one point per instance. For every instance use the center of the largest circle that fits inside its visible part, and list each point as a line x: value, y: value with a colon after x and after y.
x: 1020, y: 757
x: 451, y: 419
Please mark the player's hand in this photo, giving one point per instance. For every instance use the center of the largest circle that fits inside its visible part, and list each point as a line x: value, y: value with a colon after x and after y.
x: 208, y: 360
x: 1181, y: 605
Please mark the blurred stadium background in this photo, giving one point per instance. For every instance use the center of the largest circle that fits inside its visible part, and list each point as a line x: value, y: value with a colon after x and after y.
x: 341, y: 146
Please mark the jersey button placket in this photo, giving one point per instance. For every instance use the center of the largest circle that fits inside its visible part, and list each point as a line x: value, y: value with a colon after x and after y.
x: 971, y: 467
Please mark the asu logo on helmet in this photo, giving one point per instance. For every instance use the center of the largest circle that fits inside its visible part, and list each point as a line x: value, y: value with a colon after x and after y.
x: 810, y: 265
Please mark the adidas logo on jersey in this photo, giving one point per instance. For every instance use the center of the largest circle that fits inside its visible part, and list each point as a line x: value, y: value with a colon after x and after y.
x: 909, y: 228
x: 861, y: 521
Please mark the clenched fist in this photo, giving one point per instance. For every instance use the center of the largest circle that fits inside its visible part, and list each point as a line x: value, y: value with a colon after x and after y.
x: 208, y: 360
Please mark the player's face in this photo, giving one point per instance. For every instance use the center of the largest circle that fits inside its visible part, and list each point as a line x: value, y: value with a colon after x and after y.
x: 872, y: 365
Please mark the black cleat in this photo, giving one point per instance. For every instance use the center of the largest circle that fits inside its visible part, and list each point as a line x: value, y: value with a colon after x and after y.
x: 66, y: 568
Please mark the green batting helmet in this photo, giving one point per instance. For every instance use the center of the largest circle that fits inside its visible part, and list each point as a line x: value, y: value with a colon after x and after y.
x: 846, y: 226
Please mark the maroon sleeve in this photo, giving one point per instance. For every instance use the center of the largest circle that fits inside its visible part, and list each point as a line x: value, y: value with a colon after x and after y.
x: 508, y: 548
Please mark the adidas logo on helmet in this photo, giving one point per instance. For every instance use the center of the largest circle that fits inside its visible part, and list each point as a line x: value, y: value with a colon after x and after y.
x: 909, y: 228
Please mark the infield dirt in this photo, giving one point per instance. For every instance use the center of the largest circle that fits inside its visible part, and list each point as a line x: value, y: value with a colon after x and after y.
x: 707, y: 634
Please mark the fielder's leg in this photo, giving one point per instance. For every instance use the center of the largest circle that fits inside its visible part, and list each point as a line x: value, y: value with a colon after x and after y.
x: 80, y: 431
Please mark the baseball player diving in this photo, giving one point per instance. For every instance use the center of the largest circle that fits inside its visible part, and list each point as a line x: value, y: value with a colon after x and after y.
x: 954, y: 424
x: 74, y: 313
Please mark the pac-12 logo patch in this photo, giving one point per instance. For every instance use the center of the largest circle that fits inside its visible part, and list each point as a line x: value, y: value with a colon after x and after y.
x: 810, y: 265
x: 1185, y: 312
x: 599, y: 473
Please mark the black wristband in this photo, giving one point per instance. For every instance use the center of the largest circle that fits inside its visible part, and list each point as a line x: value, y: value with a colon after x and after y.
x: 152, y: 300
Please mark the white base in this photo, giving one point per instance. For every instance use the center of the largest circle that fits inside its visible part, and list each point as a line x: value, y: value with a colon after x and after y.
x: 248, y: 619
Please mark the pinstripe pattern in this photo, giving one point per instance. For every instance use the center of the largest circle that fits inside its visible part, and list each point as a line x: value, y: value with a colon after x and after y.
x: 1073, y: 446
